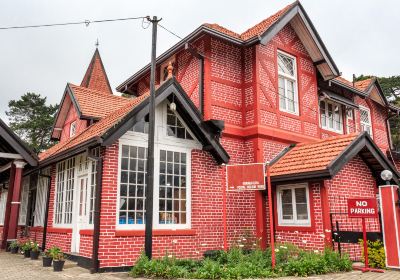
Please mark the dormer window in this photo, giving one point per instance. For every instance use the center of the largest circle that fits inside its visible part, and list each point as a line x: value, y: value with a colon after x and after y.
x: 331, y: 116
x: 287, y: 83
x: 72, y: 129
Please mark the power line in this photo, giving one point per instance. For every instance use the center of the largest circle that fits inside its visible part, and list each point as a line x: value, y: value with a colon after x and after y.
x: 85, y: 22
x: 171, y: 32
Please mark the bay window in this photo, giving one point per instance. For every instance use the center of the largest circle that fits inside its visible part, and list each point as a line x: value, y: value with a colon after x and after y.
x: 173, y: 145
x: 331, y: 116
x: 287, y: 83
x: 293, y: 205
x: 365, y: 120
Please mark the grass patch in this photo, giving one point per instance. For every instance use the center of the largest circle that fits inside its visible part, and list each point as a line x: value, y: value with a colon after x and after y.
x: 239, y: 264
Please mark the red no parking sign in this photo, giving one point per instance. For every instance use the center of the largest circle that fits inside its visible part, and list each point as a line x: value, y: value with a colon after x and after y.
x: 363, y: 208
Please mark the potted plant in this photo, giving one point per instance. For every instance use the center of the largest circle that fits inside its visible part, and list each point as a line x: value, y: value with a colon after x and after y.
x: 48, y: 255
x: 47, y: 259
x: 58, y: 261
x: 34, y: 251
x: 14, y: 246
x: 26, y: 249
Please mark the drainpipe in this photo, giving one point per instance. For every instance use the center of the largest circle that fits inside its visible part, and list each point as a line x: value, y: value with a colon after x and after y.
x: 96, y: 214
x: 46, y: 216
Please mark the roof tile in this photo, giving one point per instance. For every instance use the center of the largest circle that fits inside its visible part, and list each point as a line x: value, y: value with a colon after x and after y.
x: 97, y: 104
x: 254, y: 31
x: 315, y: 156
x: 95, y: 130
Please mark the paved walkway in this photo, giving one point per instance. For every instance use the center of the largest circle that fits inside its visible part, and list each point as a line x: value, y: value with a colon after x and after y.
x: 15, y: 267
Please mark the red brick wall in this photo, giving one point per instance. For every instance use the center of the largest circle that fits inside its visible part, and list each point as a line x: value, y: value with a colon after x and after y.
x: 207, y: 224
x: 267, y: 91
x: 353, y: 181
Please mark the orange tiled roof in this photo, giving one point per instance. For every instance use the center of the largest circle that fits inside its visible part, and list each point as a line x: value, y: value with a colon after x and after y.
x: 96, y: 77
x: 360, y: 85
x: 254, y: 31
x: 315, y: 156
x: 94, y: 103
x: 95, y: 130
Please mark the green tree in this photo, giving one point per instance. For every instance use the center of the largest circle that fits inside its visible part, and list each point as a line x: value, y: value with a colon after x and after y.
x: 32, y: 120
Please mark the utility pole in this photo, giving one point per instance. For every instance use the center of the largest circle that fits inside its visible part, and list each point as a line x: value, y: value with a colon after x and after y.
x: 148, y: 242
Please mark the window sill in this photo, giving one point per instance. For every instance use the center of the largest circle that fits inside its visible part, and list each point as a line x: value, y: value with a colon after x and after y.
x: 156, y: 232
x: 294, y: 115
x: 59, y: 230
x: 308, y: 228
x: 332, y: 131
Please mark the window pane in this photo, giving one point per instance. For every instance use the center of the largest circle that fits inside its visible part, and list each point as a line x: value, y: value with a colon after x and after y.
x: 175, y: 126
x: 282, y: 100
x: 285, y: 64
x: 132, y: 198
x: 287, y: 207
x: 172, y: 201
x: 322, y: 112
x: 301, y: 203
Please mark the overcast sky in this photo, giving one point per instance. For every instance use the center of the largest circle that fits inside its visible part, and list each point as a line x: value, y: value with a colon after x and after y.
x: 362, y: 37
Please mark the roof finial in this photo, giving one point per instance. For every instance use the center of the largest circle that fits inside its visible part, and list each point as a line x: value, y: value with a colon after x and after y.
x: 170, y: 69
x: 97, y: 43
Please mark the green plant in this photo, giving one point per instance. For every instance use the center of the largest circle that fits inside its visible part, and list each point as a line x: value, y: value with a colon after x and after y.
x: 58, y: 256
x: 14, y: 244
x: 34, y: 246
x: 26, y: 246
x: 53, y: 251
x: 376, y: 253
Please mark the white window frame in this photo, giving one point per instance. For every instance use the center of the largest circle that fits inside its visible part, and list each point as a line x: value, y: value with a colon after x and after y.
x: 3, y: 202
x: 72, y: 129
x: 326, y: 126
x: 41, y: 198
x: 287, y: 77
x: 23, y: 210
x: 294, y: 221
x: 362, y: 124
x: 162, y: 142
x: 62, y: 224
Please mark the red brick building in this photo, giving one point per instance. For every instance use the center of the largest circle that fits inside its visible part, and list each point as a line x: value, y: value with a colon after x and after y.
x: 271, y: 94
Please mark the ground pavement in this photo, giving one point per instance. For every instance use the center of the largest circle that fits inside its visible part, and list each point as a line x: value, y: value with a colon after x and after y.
x: 15, y: 267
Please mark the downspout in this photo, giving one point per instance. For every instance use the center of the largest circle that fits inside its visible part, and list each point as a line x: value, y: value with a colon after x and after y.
x: 96, y: 214
x: 46, y: 216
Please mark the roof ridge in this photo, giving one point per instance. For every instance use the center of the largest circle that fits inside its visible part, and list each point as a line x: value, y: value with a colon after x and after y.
x: 332, y: 138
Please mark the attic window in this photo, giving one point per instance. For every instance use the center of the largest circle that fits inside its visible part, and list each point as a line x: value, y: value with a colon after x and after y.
x: 164, y: 69
x: 175, y: 127
x: 72, y: 129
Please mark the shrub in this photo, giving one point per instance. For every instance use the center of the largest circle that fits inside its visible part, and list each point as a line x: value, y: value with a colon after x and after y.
x: 376, y: 253
x: 239, y: 264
